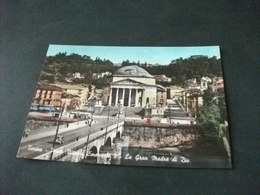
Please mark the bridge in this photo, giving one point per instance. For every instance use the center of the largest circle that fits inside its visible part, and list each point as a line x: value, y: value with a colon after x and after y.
x: 91, y: 144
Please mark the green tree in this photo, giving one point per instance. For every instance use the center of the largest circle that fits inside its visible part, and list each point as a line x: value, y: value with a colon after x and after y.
x: 47, y: 77
x: 222, y: 105
x: 208, y: 119
x: 208, y: 97
x: 125, y: 63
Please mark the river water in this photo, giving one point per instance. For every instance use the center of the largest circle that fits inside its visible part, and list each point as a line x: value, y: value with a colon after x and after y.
x: 166, y: 157
x: 155, y: 147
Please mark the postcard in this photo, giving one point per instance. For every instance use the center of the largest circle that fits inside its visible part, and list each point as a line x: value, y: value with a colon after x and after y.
x: 135, y: 106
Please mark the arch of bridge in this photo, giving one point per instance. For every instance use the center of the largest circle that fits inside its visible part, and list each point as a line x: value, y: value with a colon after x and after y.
x: 109, y: 138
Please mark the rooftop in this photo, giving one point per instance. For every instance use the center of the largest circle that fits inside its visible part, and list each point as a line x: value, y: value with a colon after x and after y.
x: 69, y: 86
x: 66, y: 95
x: 48, y: 87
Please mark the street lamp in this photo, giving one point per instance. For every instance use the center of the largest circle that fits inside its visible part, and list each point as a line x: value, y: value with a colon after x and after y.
x: 91, y: 118
x: 170, y: 114
x: 57, y: 131
x: 85, y: 155
x: 89, y: 131
x: 107, y: 123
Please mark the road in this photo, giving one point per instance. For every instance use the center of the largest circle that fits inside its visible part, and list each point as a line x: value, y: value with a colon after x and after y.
x: 35, y: 147
x: 43, y: 141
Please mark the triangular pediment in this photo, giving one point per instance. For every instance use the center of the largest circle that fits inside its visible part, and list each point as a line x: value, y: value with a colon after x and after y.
x: 127, y: 82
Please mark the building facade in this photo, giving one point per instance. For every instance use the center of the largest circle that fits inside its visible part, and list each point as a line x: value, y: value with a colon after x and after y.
x: 70, y: 102
x: 132, y: 86
x: 192, y: 98
x: 47, y: 95
x: 217, y: 83
x: 161, y: 96
x: 77, y: 90
x: 105, y: 96
x: 175, y: 92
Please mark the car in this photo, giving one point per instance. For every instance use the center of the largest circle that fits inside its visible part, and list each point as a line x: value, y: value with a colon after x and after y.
x: 81, y: 114
x: 59, y: 140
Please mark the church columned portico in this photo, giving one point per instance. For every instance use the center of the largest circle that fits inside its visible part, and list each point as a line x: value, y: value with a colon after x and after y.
x: 132, y: 86
x: 128, y: 96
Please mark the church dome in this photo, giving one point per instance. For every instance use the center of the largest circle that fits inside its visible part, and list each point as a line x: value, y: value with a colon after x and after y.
x: 132, y: 71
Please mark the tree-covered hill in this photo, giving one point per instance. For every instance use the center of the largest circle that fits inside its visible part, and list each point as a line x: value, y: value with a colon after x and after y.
x: 182, y: 69
x: 62, y: 66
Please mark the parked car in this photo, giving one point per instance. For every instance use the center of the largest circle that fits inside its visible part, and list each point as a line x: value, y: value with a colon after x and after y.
x: 59, y: 140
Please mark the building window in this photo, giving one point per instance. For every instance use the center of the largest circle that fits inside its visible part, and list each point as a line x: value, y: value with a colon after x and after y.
x: 51, y: 94
x: 45, y: 95
x: 40, y: 94
x: 147, y: 100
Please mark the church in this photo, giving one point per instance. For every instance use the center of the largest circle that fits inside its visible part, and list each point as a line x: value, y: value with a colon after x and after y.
x: 132, y: 86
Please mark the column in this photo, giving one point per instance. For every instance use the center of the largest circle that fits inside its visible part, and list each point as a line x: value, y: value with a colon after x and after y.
x: 116, y: 96
x: 187, y: 102
x: 142, y: 98
x: 136, y: 97
x: 123, y: 96
x: 129, y: 100
x: 110, y: 97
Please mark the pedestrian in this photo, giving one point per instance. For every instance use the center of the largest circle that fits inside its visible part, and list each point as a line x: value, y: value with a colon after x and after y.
x: 26, y: 133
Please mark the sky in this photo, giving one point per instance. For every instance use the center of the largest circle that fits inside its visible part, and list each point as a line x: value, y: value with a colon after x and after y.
x: 151, y: 55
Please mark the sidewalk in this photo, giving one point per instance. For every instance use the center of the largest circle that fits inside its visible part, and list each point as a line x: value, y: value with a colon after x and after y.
x: 49, y: 132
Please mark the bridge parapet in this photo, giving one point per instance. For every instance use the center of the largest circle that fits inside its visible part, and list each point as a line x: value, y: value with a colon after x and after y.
x: 159, y: 125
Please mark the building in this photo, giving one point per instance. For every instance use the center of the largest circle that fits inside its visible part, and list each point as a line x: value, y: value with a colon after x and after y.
x: 77, y: 75
x: 204, y: 83
x: 101, y: 75
x: 91, y: 91
x: 162, y: 78
x: 47, y: 95
x: 161, y: 96
x: 192, y: 84
x: 192, y: 98
x: 132, y: 86
x: 174, y: 92
x: 105, y: 96
x: 69, y: 101
x: 217, y: 83
x: 78, y: 90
